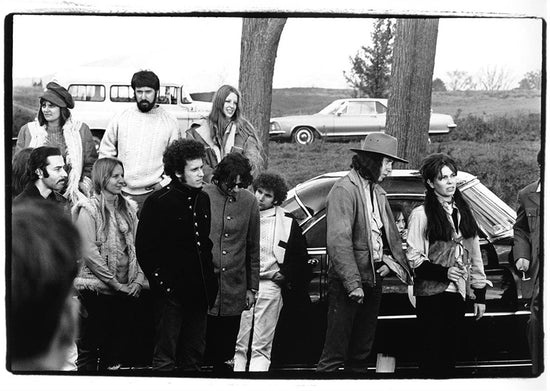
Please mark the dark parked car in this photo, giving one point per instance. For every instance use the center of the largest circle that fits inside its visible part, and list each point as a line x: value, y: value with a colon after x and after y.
x: 345, y: 118
x: 496, y: 345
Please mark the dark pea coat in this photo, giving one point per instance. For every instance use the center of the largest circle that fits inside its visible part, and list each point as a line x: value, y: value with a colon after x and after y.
x: 173, y: 246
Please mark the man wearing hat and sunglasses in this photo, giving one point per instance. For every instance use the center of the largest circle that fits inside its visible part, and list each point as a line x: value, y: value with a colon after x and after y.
x: 364, y: 246
x: 235, y: 233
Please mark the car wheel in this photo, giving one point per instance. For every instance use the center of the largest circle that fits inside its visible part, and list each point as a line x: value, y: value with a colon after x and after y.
x: 303, y: 136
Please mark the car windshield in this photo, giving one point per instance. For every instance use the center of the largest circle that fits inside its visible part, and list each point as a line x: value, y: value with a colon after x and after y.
x: 332, y: 108
x: 494, y: 217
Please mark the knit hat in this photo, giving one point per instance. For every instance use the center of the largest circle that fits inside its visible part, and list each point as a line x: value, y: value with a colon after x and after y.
x: 57, y: 95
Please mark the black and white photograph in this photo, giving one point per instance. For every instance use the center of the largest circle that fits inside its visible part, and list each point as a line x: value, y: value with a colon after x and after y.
x: 274, y: 195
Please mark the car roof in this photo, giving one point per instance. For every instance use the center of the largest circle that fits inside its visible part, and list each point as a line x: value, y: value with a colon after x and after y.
x: 381, y: 100
x: 102, y: 75
x: 494, y: 216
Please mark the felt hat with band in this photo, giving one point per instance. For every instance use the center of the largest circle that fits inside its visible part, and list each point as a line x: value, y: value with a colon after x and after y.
x: 57, y: 95
x: 381, y: 143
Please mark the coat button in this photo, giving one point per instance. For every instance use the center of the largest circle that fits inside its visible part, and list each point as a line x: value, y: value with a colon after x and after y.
x: 196, y: 224
x: 223, y: 269
x: 198, y: 244
x: 228, y: 217
x: 226, y: 235
x: 167, y: 289
x: 224, y: 252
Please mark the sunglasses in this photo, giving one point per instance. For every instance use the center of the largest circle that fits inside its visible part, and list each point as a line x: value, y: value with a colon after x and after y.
x: 239, y: 185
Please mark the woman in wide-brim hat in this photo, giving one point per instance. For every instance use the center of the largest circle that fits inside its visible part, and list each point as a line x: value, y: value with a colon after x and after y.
x: 55, y: 126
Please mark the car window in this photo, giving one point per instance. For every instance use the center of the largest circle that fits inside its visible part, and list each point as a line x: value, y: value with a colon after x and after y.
x: 368, y: 108
x: 494, y: 217
x: 332, y: 108
x: 87, y: 92
x: 380, y: 108
x: 292, y: 206
x: 168, y: 95
x: 122, y: 93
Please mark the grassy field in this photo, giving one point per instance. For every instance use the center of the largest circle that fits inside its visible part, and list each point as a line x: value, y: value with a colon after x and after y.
x: 497, y: 138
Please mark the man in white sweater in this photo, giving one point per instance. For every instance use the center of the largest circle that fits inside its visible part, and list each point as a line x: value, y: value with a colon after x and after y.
x: 138, y: 137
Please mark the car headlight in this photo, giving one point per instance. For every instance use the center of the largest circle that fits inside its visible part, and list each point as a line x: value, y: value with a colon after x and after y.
x: 275, y: 126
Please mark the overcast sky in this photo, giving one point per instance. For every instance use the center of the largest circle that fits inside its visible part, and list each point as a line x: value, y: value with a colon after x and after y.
x: 205, y: 52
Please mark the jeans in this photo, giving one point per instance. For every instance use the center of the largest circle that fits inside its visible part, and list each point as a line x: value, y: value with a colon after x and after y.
x: 180, y: 336
x: 350, y: 328
x: 440, y: 319
x: 260, y: 321
x: 106, y: 324
x: 221, y: 335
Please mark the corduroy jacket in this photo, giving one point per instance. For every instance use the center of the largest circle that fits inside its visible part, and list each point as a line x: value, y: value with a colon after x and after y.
x: 235, y: 235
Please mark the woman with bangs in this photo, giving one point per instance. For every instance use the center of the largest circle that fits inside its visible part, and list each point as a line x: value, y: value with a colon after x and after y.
x: 443, y: 250
x: 226, y: 130
x: 56, y: 127
x: 110, y: 278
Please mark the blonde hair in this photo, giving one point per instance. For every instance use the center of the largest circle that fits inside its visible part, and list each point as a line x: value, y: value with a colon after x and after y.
x: 101, y: 173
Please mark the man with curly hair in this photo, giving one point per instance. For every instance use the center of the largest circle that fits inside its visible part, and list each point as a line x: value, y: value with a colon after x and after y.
x: 175, y: 252
x: 284, y: 271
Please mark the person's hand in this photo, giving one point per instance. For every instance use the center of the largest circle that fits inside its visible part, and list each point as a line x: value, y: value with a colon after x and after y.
x: 124, y: 288
x: 383, y: 271
x: 279, y: 279
x: 250, y: 299
x: 357, y: 295
x: 403, y: 234
x: 134, y: 289
x: 479, y: 310
x: 455, y: 273
x: 522, y: 264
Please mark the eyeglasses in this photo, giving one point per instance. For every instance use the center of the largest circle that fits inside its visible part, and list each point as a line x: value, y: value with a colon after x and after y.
x: 239, y: 185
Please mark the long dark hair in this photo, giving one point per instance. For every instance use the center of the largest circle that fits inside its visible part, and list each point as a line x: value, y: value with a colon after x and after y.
x: 20, y: 175
x: 439, y: 227
x: 217, y: 119
x: 368, y: 165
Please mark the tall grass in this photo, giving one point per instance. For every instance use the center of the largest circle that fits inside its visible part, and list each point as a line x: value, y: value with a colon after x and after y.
x: 500, y: 150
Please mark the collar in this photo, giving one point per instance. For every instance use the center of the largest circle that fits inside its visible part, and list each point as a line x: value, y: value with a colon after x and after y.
x: 177, y: 184
x: 448, y: 206
x: 267, y: 212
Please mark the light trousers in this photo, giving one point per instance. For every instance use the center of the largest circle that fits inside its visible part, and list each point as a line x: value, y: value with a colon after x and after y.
x: 260, y: 322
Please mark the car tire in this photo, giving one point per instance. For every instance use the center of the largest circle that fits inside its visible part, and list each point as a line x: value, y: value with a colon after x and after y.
x: 303, y: 136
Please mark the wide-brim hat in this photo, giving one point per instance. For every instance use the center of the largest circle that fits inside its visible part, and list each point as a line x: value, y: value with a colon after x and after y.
x: 381, y: 143
x: 57, y: 95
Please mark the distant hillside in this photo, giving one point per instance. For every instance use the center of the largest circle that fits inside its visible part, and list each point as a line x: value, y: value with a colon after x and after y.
x: 295, y: 101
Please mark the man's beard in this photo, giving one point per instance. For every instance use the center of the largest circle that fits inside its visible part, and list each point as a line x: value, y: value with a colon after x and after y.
x: 144, y: 105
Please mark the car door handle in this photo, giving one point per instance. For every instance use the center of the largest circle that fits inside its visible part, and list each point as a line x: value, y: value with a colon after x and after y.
x: 313, y: 262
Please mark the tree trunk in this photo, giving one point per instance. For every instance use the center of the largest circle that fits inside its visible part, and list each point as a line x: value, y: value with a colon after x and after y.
x: 410, y: 101
x: 259, y: 43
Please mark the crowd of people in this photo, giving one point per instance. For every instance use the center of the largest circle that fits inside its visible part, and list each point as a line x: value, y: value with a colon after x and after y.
x: 195, y: 224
